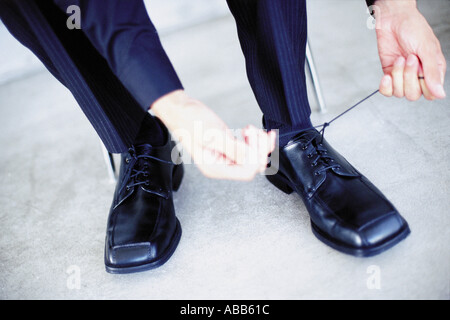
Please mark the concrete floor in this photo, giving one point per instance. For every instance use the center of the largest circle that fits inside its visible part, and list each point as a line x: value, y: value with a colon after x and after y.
x: 240, y: 240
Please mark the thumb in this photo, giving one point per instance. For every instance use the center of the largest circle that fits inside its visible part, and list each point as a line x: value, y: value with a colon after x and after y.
x: 432, y: 73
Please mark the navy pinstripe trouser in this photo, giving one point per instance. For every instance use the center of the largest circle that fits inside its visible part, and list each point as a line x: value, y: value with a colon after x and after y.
x: 272, y: 34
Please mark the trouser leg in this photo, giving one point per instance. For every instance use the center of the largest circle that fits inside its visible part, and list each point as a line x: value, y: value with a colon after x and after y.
x: 273, y: 36
x: 70, y: 57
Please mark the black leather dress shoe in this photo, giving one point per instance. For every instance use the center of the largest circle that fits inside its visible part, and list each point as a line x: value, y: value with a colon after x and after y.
x: 143, y: 231
x: 347, y: 211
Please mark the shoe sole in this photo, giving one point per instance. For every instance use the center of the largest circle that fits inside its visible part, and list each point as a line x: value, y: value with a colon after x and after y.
x: 282, y: 183
x: 155, y: 263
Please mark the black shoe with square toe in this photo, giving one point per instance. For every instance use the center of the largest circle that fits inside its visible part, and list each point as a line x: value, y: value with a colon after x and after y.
x: 143, y: 231
x: 347, y: 211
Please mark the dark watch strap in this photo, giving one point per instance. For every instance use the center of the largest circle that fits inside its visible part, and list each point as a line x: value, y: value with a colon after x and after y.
x: 370, y: 3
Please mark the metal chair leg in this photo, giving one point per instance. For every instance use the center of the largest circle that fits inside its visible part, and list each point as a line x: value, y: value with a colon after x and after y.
x: 315, y: 78
x: 109, y: 161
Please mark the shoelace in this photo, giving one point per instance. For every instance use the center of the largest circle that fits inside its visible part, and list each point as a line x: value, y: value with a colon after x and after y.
x: 136, y: 174
x: 320, y: 150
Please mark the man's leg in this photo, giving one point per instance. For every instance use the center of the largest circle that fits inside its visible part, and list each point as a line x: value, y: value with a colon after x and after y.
x: 114, y: 114
x: 347, y: 212
x: 273, y: 37
x: 142, y: 230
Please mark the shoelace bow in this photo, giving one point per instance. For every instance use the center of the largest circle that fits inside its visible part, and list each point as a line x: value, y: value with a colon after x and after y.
x: 320, y: 150
x: 140, y: 175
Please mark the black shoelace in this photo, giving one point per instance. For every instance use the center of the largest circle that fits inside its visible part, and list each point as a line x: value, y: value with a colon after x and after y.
x: 139, y: 174
x: 320, y: 152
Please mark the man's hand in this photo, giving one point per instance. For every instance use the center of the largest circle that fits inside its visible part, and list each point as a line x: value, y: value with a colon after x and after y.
x: 410, y: 54
x: 210, y: 143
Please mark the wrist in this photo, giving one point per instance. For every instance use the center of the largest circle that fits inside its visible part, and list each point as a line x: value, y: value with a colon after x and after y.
x: 173, y: 108
x: 168, y: 104
x: 388, y: 13
x: 395, y: 6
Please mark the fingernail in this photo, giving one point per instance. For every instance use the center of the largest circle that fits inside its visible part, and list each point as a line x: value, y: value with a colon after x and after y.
x: 385, y: 80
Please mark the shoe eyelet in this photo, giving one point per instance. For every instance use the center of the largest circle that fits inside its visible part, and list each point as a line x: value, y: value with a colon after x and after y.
x: 128, y: 188
x: 316, y: 173
x: 313, y: 164
x: 309, y: 156
x: 127, y: 160
x: 304, y: 147
x: 147, y: 183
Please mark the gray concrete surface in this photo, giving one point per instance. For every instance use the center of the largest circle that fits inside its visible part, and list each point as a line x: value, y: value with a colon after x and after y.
x: 240, y: 240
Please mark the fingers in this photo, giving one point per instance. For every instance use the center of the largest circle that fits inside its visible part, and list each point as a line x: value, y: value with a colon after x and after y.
x: 235, y: 150
x: 442, y: 63
x: 216, y: 166
x: 254, y: 140
x: 432, y: 62
x: 263, y: 142
x: 386, y: 86
x: 236, y: 159
x: 400, y: 83
x: 412, y: 89
x: 397, y: 77
x: 409, y: 79
x: 221, y: 143
x: 426, y: 92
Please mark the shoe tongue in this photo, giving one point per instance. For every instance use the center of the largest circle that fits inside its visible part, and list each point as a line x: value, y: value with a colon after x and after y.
x: 143, y: 149
x: 142, y: 163
x: 306, y: 135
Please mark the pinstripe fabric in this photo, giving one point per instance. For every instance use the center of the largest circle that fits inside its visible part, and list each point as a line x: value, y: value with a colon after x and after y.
x: 113, y: 112
x: 273, y: 37
x: 19, y: 27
